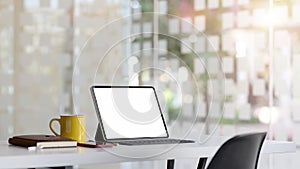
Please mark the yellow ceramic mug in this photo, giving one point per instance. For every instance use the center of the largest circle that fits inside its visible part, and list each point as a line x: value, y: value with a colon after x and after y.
x: 71, y: 126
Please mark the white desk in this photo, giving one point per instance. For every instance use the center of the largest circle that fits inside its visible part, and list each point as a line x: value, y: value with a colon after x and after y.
x: 18, y: 157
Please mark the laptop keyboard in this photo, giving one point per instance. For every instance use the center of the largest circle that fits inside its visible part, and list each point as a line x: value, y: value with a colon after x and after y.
x: 156, y: 141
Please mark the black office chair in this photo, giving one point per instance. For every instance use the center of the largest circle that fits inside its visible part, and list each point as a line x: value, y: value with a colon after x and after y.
x: 239, y: 152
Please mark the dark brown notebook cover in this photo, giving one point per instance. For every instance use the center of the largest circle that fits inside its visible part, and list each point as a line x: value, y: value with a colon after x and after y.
x: 33, y: 140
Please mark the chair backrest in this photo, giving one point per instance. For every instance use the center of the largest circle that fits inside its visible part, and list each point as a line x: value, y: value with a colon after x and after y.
x: 239, y: 152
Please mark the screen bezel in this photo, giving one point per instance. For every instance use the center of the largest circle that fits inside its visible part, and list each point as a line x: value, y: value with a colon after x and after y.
x: 100, y: 119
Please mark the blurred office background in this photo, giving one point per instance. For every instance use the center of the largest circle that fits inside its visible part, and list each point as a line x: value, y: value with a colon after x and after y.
x: 50, y: 52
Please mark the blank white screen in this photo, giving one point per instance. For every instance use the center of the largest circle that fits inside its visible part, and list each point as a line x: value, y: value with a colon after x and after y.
x: 129, y: 113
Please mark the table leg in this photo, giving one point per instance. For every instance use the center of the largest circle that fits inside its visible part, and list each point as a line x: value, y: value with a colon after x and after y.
x: 170, y: 164
x: 201, y: 163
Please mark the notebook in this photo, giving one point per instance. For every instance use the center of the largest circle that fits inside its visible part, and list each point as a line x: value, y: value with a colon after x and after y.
x: 131, y: 115
x: 42, y: 141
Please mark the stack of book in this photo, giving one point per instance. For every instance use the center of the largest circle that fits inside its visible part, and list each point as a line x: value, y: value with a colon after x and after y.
x: 42, y: 141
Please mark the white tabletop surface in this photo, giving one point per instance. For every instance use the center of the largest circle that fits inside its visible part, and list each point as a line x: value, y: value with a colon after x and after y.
x: 18, y: 157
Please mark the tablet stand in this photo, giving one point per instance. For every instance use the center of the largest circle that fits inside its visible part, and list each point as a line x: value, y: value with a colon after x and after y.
x: 99, y: 137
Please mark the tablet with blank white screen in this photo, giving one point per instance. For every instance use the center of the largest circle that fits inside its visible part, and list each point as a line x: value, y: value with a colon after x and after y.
x: 129, y: 112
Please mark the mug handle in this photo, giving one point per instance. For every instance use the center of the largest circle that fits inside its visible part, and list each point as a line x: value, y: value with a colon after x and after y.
x: 50, y: 125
